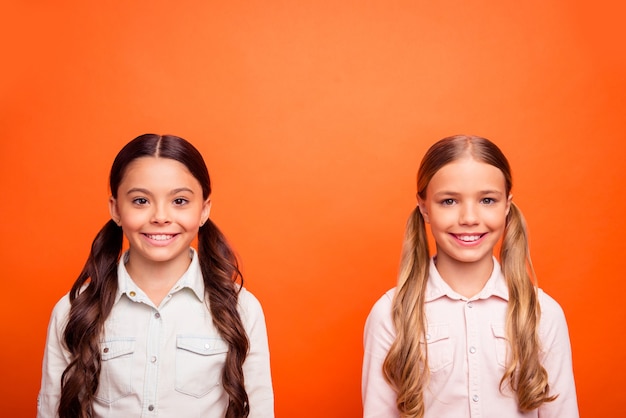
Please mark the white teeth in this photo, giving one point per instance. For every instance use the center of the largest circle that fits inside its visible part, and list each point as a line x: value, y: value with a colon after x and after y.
x: 469, y: 238
x: 160, y: 237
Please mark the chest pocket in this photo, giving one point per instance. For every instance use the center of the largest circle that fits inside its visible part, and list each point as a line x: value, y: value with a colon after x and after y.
x: 199, y: 364
x: 116, y: 374
x: 501, y: 343
x: 439, y: 345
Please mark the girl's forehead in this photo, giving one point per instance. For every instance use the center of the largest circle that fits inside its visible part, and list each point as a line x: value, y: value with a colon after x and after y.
x: 466, y: 174
x: 150, y: 163
x: 157, y: 171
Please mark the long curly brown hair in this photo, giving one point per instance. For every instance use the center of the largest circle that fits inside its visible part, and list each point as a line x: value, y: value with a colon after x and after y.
x: 404, y: 366
x: 93, y: 292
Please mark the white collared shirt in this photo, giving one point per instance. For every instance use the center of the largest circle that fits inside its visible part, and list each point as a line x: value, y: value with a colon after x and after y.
x: 467, y: 349
x: 163, y: 361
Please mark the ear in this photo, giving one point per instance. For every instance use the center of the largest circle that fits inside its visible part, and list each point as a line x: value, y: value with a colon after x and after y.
x: 423, y: 209
x: 206, y: 210
x: 509, y: 200
x: 115, y: 213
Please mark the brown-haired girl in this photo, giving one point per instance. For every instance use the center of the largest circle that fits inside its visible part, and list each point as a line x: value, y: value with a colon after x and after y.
x: 463, y: 334
x: 162, y: 329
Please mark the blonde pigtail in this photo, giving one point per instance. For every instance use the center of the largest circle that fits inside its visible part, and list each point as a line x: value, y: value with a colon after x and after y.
x: 524, y: 373
x: 405, y: 365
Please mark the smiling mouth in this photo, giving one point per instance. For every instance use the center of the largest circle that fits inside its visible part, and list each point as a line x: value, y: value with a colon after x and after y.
x: 160, y: 237
x: 469, y: 238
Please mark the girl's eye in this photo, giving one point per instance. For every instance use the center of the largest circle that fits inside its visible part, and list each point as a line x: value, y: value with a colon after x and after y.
x: 180, y: 201
x: 140, y: 201
x: 488, y: 201
x: 447, y: 202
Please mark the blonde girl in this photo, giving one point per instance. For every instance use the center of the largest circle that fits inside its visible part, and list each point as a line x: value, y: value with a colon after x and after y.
x: 163, y: 329
x: 465, y: 334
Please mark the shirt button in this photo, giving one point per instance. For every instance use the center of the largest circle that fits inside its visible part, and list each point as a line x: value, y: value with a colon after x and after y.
x: 153, y: 359
x: 157, y: 315
x: 106, y: 350
x: 207, y: 346
x: 472, y: 350
x: 132, y: 294
x: 151, y: 408
x: 475, y: 398
x: 470, y: 304
x: 427, y: 337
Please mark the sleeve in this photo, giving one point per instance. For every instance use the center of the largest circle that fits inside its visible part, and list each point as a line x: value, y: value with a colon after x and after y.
x: 557, y: 360
x: 256, y: 368
x: 55, y: 359
x: 379, y: 398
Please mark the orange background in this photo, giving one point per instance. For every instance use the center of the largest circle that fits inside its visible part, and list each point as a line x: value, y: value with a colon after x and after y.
x: 313, y: 117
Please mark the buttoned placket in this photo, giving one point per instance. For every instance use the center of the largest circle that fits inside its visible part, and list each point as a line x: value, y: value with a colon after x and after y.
x: 155, y: 330
x: 473, y: 347
x: 153, y: 351
x: 155, y: 326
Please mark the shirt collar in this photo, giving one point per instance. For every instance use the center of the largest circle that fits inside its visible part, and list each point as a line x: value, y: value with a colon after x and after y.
x: 495, y: 286
x: 191, y: 279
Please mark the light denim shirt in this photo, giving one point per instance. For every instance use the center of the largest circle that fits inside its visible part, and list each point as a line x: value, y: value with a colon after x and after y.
x: 163, y: 361
x: 467, y: 353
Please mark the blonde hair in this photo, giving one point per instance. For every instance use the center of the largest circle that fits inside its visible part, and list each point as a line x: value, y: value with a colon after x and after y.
x: 405, y: 366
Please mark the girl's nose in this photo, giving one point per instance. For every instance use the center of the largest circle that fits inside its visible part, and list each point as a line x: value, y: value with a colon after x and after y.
x: 160, y: 216
x: 468, y: 215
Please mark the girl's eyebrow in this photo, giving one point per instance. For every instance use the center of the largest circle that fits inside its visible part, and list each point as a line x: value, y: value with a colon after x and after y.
x: 146, y: 191
x: 447, y: 193
x: 455, y: 194
x: 181, y: 190
x: 138, y: 190
x: 496, y: 192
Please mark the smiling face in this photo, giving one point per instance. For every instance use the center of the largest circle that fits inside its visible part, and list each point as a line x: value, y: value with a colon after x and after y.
x: 160, y: 208
x: 466, y: 205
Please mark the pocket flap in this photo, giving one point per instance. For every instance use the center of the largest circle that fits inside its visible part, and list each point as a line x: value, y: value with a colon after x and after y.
x: 437, y: 332
x: 203, y: 345
x: 117, y: 347
x: 498, y: 331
